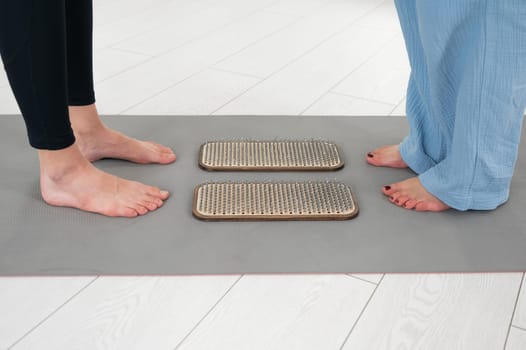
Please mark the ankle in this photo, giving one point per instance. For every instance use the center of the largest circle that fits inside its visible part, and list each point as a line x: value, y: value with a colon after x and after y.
x: 85, y: 120
x: 61, y: 166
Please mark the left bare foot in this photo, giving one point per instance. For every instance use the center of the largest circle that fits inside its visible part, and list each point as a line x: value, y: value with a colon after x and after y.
x: 410, y: 194
x: 96, y: 141
x: 387, y: 156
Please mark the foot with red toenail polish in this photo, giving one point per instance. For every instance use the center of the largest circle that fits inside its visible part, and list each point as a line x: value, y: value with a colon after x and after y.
x: 410, y: 194
x: 387, y: 156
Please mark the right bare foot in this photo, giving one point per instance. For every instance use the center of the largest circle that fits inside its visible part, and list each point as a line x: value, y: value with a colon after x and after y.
x: 387, y: 156
x: 67, y: 179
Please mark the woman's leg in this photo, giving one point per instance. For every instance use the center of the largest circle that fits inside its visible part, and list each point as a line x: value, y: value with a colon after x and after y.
x: 425, y: 145
x: 33, y: 49
x: 475, y: 52
x: 79, y: 39
x: 32, y: 44
x: 94, y: 139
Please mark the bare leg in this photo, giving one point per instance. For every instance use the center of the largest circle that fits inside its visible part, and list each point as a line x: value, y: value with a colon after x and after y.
x: 96, y: 141
x: 70, y: 180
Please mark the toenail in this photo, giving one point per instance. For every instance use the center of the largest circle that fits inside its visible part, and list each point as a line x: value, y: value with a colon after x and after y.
x: 164, y: 193
x: 391, y: 198
x: 387, y: 188
x: 370, y: 155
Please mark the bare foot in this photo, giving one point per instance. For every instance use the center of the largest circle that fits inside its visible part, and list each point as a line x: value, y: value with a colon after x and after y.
x: 108, y: 143
x: 410, y: 194
x: 387, y: 156
x: 96, y: 141
x: 67, y: 179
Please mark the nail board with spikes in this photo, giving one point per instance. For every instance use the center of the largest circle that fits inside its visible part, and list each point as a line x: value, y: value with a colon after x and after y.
x: 270, y: 156
x: 274, y: 201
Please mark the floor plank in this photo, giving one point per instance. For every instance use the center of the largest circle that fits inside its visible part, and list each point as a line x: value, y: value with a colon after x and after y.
x: 130, y: 313
x: 516, y: 339
x: 8, y: 103
x: 201, y: 94
x: 191, y: 25
x: 121, y: 93
x: 400, y: 108
x: 109, y: 62
x: 384, y: 78
x: 383, y: 16
x: 281, y: 48
x: 111, y: 29
x: 295, y: 88
x: 113, y: 10
x: 25, y: 302
x: 337, y: 104
x: 3, y: 79
x: 519, y: 319
x: 283, y: 312
x: 296, y: 7
x: 438, y: 311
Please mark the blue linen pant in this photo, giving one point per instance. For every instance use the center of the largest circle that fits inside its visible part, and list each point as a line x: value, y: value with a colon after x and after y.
x: 466, y: 96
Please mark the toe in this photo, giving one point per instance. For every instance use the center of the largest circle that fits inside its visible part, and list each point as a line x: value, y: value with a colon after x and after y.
x: 150, y: 205
x: 401, y: 200
x: 156, y: 201
x: 411, y: 204
x: 162, y: 149
x: 166, y: 157
x: 153, y: 191
x: 369, y: 158
x: 166, y: 149
x: 395, y: 197
x: 127, y: 212
x: 157, y: 193
x: 141, y: 209
x: 389, y: 190
x: 375, y: 161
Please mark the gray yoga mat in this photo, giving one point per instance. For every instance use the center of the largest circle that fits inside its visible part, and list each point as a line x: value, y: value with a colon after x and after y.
x: 37, y: 239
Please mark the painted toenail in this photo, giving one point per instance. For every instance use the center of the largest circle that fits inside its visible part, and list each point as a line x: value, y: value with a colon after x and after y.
x: 370, y: 155
x: 387, y: 188
x: 391, y: 198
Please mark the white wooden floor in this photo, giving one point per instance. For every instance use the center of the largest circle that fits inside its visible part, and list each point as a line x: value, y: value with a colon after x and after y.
x: 328, y: 57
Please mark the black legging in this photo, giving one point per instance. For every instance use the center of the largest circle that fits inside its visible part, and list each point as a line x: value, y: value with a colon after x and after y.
x: 46, y: 47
